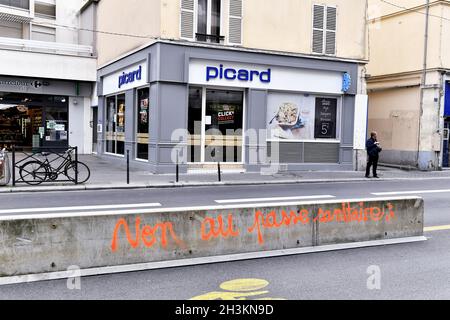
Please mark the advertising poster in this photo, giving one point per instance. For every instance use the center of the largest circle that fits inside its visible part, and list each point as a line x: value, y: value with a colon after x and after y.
x: 290, y: 117
x: 326, y: 116
x: 143, y: 112
x: 225, y: 114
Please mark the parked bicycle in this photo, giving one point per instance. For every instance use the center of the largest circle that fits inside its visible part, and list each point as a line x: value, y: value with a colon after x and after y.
x: 36, y: 172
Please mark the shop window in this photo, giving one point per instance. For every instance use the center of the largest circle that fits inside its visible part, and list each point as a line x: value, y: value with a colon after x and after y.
x: 216, y: 136
x: 33, y: 120
x: 302, y: 117
x: 223, y: 126
x: 195, y: 124
x: 304, y: 127
x: 115, y: 124
x: 142, y: 134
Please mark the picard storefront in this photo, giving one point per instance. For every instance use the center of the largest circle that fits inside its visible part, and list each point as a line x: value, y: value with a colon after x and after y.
x: 244, y: 109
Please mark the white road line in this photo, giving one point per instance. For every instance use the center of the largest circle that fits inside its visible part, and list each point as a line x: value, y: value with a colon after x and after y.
x: 98, y: 207
x: 410, y: 192
x: 273, y: 199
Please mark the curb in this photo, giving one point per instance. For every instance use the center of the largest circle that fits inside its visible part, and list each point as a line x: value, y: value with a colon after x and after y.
x: 205, y: 260
x: 167, y: 185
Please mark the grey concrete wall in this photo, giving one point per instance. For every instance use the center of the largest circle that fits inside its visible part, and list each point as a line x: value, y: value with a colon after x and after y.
x: 49, y: 243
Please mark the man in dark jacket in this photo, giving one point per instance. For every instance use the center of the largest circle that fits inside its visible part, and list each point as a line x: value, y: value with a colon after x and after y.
x: 373, y: 151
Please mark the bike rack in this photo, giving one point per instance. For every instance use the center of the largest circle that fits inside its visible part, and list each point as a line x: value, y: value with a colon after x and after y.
x: 55, y: 156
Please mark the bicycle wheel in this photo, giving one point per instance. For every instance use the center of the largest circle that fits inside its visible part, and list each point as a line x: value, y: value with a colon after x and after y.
x: 34, y: 172
x: 83, y: 171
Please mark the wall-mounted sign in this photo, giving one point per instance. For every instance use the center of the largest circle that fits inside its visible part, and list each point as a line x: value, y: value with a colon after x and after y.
x: 130, y: 77
x: 245, y: 75
x: 23, y: 84
x: 126, y: 79
x: 266, y: 77
x: 325, y: 120
x: 346, y: 82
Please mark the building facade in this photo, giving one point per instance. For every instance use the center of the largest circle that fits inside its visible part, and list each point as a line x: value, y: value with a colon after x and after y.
x: 231, y: 81
x: 46, y: 75
x: 408, y: 81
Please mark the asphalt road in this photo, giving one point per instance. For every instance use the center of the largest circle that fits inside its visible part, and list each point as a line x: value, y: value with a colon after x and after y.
x: 408, y: 271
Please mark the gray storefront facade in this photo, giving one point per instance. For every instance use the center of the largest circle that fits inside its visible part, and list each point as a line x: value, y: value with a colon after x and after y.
x: 205, y: 104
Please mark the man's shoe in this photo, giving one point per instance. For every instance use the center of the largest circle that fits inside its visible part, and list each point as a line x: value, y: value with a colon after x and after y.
x: 368, y: 177
x: 376, y: 177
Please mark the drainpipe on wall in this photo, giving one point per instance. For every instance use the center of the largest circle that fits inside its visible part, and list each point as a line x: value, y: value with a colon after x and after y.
x: 424, y: 77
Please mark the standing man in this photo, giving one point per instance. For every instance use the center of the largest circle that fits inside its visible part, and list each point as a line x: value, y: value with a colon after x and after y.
x: 373, y: 151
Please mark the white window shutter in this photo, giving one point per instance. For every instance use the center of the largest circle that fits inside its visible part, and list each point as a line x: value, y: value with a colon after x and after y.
x: 318, y: 29
x: 235, y: 22
x: 187, y: 19
x: 331, y: 24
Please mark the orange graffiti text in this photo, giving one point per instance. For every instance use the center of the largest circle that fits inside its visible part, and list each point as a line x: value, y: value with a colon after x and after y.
x: 273, y: 220
x: 146, y: 234
x: 214, y: 228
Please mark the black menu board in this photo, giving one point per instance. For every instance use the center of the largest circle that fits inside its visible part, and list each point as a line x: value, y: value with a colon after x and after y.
x: 325, y: 121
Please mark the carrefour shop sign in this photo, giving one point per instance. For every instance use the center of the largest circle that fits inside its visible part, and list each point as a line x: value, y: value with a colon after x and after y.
x: 241, y: 75
x: 125, y: 79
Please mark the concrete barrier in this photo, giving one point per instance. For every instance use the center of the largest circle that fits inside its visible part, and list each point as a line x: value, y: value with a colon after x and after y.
x: 39, y: 244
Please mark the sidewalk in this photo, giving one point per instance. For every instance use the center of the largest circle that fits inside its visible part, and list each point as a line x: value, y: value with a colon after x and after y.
x: 110, y: 175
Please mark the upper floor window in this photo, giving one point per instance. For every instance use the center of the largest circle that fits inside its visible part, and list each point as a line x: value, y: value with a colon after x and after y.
x: 201, y: 20
x: 208, y: 21
x: 324, y: 29
x: 41, y: 33
x: 22, y: 4
x: 45, y: 10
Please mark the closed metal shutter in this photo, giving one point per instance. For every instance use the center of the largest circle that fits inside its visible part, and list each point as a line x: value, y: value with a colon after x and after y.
x: 321, y: 152
x: 305, y: 152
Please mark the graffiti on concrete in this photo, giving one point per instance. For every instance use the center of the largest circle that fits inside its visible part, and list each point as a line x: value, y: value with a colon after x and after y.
x: 147, y: 234
x: 225, y: 227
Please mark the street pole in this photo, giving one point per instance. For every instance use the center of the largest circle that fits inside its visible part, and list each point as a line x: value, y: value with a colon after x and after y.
x: 423, y: 82
x: 128, y: 166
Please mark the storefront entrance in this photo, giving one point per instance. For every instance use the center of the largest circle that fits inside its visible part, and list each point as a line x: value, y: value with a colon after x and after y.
x: 215, y: 125
x: 446, y: 147
x: 33, y: 120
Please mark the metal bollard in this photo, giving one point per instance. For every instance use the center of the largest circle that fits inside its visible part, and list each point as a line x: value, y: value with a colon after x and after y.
x: 177, y: 170
x: 13, y: 166
x: 219, y: 173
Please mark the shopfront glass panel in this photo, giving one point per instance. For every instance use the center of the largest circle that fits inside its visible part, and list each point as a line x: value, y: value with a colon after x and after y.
x: 195, y: 124
x: 115, y: 124
x: 142, y: 134
x: 56, y: 125
x: 120, y: 125
x: 110, y: 125
x: 302, y: 117
x: 33, y: 121
x: 223, y: 125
